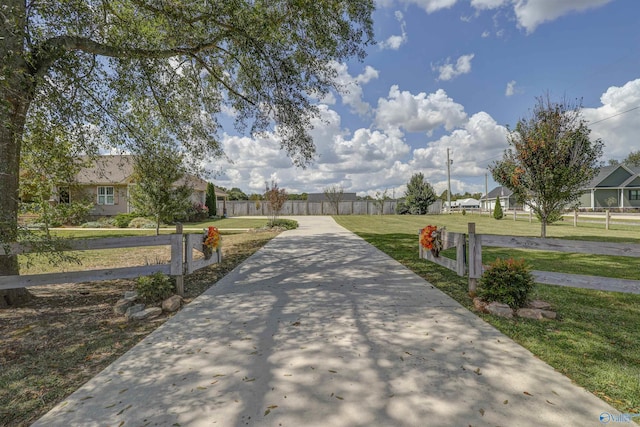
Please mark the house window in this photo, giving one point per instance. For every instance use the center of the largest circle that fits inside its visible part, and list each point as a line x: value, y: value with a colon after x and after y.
x: 105, y: 196
x: 64, y: 195
x: 634, y: 194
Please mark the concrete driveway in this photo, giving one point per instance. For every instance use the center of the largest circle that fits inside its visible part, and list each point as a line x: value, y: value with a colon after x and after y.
x: 319, y: 328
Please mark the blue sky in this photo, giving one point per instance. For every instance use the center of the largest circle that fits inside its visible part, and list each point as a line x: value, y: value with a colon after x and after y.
x: 452, y: 74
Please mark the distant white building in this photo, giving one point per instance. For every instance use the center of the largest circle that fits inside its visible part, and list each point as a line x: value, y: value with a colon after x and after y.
x: 463, y: 204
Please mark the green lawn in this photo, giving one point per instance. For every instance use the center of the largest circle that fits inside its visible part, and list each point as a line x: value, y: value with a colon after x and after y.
x: 595, y: 342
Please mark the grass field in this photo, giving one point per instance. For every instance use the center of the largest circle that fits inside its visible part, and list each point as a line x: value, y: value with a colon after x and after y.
x: 595, y: 342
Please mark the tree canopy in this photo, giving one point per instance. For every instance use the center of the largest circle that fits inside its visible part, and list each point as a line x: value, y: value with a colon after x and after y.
x: 98, y: 69
x: 550, y: 158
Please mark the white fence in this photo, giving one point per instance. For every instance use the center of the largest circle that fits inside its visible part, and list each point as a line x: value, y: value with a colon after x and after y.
x: 303, y: 207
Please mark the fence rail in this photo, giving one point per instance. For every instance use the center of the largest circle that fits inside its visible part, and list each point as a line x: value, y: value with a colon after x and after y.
x: 449, y: 240
x: 182, y: 260
x: 475, y: 268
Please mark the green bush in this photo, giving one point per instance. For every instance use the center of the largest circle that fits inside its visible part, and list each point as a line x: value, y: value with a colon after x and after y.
x: 92, y: 224
x: 497, y: 212
x: 71, y: 213
x: 122, y: 220
x: 141, y: 222
x: 154, y: 288
x: 287, y: 224
x: 507, y: 281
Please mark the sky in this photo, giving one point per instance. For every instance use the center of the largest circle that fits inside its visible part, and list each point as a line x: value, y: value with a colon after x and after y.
x: 450, y: 76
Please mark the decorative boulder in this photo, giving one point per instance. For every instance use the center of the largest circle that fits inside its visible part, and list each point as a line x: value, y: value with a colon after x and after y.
x: 530, y: 313
x: 133, y: 310
x: 172, y: 303
x: 499, y: 309
x: 480, y: 304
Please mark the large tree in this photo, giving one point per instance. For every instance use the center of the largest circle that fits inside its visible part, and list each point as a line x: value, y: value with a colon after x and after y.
x: 91, y: 66
x: 419, y: 195
x: 550, y: 158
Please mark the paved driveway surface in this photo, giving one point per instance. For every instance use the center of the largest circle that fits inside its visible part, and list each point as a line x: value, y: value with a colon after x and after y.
x: 321, y: 329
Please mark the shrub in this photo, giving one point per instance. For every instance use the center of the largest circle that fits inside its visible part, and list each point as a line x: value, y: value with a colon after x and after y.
x: 92, y: 224
x: 122, y: 220
x: 71, y: 213
x: 154, y: 288
x: 287, y: 224
x: 497, y: 212
x: 141, y: 222
x: 507, y: 281
x: 464, y: 212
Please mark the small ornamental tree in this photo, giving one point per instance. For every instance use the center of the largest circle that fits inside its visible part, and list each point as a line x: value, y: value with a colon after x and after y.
x: 497, y: 211
x: 161, y: 190
x: 550, y: 159
x: 210, y: 200
x: 334, y: 194
x: 276, y: 198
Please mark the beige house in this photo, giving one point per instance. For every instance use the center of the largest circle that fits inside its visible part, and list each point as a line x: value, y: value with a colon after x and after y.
x: 109, y: 181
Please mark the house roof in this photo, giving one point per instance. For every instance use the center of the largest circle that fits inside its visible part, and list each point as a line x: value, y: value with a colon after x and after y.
x: 118, y: 170
x: 112, y: 169
x: 499, y: 191
x: 632, y: 172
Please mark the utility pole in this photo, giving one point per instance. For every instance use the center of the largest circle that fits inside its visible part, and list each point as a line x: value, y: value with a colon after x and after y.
x: 486, y: 189
x: 448, y: 182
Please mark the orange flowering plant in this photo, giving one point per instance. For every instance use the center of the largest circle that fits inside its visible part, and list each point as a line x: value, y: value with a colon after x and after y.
x: 211, y: 241
x: 431, y: 239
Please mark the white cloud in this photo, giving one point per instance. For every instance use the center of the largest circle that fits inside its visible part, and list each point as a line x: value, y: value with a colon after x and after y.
x: 351, y: 87
x: 532, y: 13
x: 618, y: 128
x: 394, y: 42
x: 511, y: 88
x: 429, y: 6
x: 485, y: 34
x: 529, y: 13
x: 418, y: 113
x: 473, y: 147
x: 448, y: 71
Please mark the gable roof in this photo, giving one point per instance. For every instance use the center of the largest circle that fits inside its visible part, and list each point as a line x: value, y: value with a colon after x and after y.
x: 118, y: 170
x: 606, y: 176
x: 112, y: 169
x: 499, y: 191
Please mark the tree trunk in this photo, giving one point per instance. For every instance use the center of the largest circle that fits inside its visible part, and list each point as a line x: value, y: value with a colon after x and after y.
x: 16, y: 94
x: 543, y: 227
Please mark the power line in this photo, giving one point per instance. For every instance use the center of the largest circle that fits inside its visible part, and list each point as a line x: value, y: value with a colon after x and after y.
x: 615, y: 115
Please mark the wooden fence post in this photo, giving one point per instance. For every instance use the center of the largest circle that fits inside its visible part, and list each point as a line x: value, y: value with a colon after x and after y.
x: 461, y: 251
x: 177, y: 256
x: 515, y: 214
x: 607, y: 218
x: 475, y: 258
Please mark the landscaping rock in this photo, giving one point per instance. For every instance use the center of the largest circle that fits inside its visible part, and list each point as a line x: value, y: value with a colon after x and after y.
x: 548, y: 314
x: 499, y: 309
x: 133, y: 310
x: 542, y: 305
x: 480, y: 304
x: 122, y: 306
x: 131, y: 295
x: 149, y: 313
x: 172, y: 303
x: 530, y: 313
